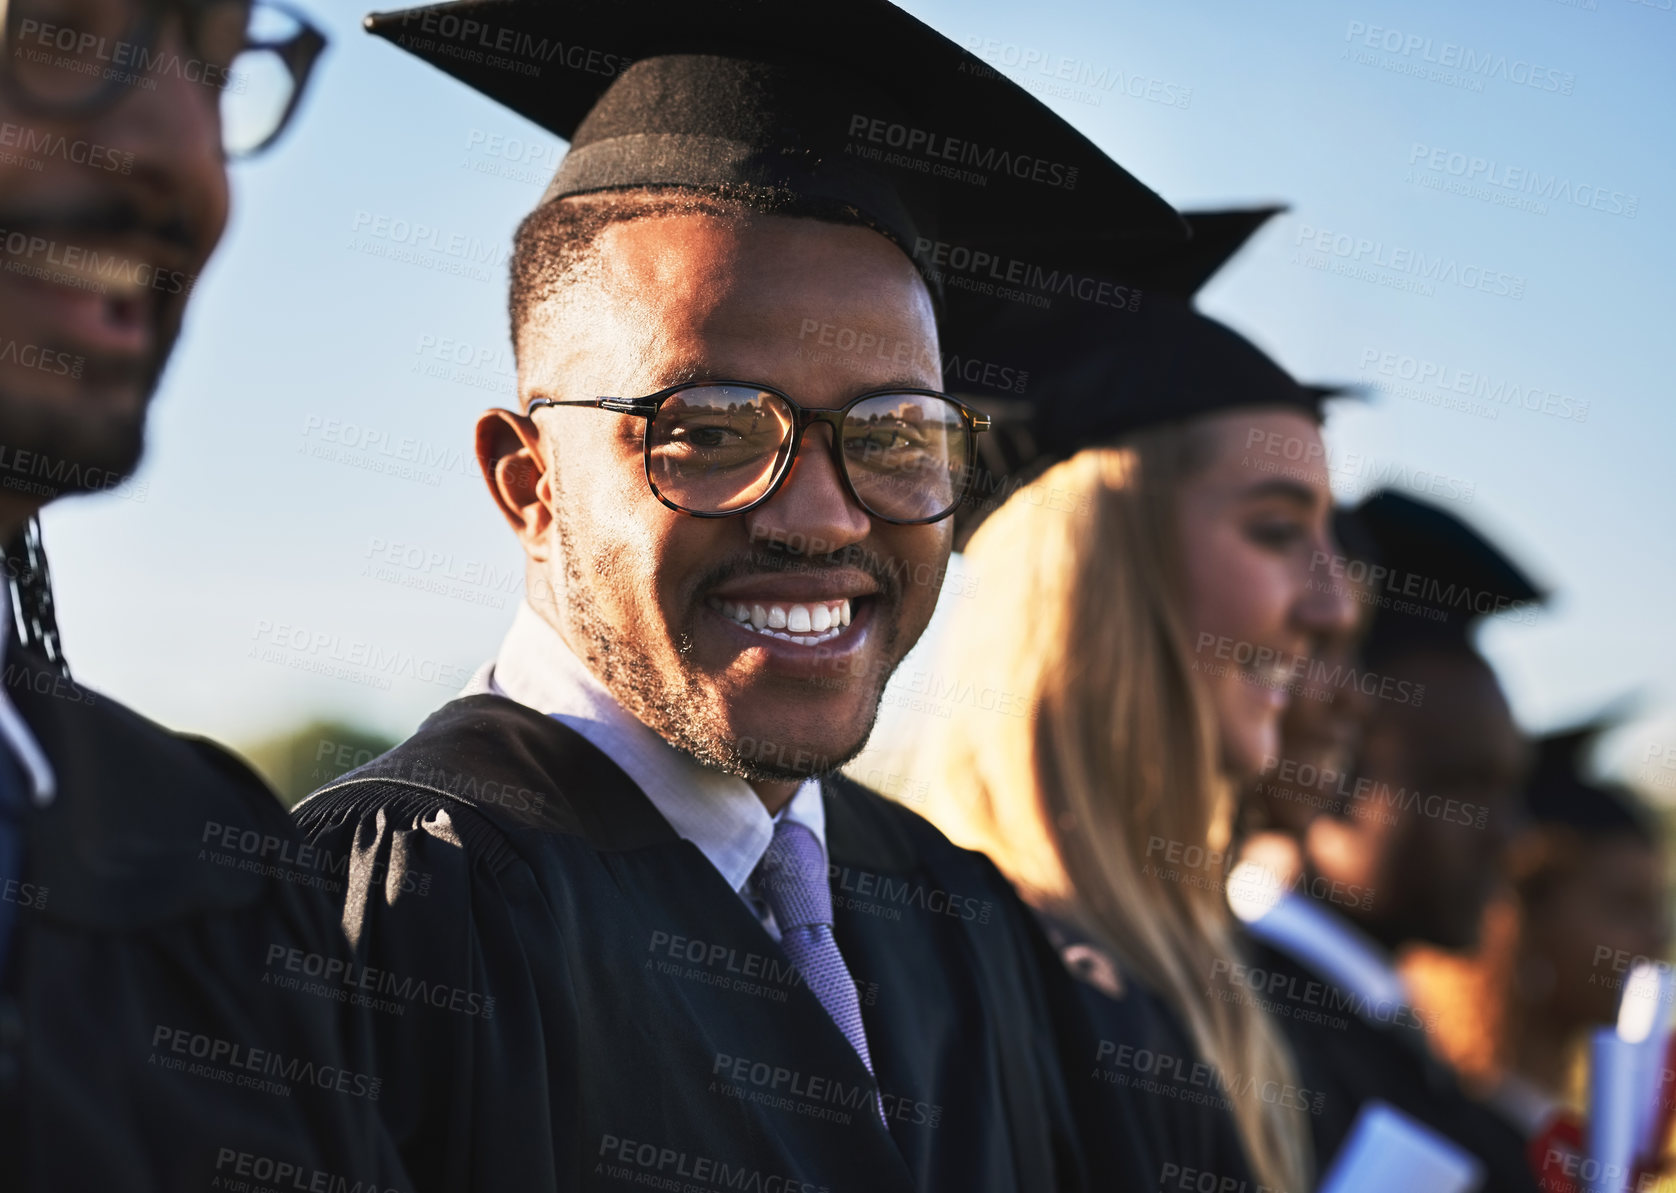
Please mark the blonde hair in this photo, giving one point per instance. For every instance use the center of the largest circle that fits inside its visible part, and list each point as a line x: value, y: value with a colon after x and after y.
x: 1075, y: 615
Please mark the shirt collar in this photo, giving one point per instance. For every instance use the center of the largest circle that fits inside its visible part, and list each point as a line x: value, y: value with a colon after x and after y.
x: 1332, y: 946
x: 14, y: 731
x: 719, y: 813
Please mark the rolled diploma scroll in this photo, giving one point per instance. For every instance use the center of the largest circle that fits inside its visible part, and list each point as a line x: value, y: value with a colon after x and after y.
x: 1644, y: 1021
x: 1388, y: 1152
x: 1614, y: 1112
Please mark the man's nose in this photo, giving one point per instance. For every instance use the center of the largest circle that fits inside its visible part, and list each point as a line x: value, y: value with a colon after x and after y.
x: 172, y: 126
x: 814, y: 502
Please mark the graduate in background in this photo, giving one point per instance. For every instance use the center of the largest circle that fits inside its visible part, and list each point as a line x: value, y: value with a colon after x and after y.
x: 1415, y: 847
x: 1144, y: 597
x: 1586, y: 902
x: 711, y: 959
x: 144, y: 901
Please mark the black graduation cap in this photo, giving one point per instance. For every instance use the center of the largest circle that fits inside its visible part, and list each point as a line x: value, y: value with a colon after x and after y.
x: 1182, y: 270
x: 1434, y: 576
x: 1091, y: 375
x: 1353, y: 538
x: 1560, y: 792
x: 855, y: 103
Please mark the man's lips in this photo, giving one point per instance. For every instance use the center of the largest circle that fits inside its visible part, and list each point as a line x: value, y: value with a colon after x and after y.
x: 808, y: 608
x: 98, y: 297
x: 88, y: 323
x: 835, y: 584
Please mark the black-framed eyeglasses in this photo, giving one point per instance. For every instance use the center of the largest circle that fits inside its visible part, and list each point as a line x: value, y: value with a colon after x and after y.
x: 72, y: 58
x: 718, y: 448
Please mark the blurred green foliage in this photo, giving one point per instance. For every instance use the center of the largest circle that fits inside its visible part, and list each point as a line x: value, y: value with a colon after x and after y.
x: 302, y: 760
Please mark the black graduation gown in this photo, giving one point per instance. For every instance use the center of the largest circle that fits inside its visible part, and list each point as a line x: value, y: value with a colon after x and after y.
x: 635, y: 1022
x: 142, y: 1045
x: 1140, y: 1089
x: 1350, y: 1060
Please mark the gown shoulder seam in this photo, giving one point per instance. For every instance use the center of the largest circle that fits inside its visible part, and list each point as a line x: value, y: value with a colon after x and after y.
x: 386, y: 781
x: 479, y: 832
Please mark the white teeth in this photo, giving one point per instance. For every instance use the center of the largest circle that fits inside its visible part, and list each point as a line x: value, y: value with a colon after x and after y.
x: 114, y: 277
x: 1271, y: 675
x: 805, y: 624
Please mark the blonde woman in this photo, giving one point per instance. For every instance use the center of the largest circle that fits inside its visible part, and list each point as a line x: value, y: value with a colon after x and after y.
x: 1149, y: 602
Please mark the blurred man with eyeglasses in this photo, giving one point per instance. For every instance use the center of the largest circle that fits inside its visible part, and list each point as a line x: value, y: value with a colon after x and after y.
x: 157, y: 913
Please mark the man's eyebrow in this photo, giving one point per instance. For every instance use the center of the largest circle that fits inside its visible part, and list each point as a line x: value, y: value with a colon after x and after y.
x: 901, y: 383
x: 698, y: 374
x: 688, y: 374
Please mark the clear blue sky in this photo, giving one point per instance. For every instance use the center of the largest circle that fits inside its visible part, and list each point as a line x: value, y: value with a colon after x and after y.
x: 257, y: 543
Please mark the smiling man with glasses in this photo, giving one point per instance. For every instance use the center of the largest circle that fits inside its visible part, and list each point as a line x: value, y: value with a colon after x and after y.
x: 156, y: 908
x: 715, y: 962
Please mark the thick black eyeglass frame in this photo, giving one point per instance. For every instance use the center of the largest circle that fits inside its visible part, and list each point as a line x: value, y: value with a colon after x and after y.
x: 299, y: 53
x: 803, y: 417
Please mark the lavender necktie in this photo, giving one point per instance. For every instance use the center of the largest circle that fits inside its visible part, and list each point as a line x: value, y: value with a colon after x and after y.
x: 792, y: 880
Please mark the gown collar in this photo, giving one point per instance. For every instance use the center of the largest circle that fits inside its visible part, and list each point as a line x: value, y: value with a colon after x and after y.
x: 718, y: 813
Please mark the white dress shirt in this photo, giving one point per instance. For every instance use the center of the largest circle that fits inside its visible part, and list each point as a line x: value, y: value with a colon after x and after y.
x: 719, y: 813
x: 14, y: 732
x: 1331, y: 945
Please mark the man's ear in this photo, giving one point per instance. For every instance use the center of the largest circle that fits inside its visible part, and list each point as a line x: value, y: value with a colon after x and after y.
x: 509, y: 452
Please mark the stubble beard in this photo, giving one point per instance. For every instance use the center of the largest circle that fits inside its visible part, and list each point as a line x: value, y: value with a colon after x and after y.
x: 677, y: 708
x: 77, y: 444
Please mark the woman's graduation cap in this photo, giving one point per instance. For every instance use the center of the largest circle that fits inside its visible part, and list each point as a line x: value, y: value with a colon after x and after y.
x: 856, y: 104
x: 1093, y: 374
